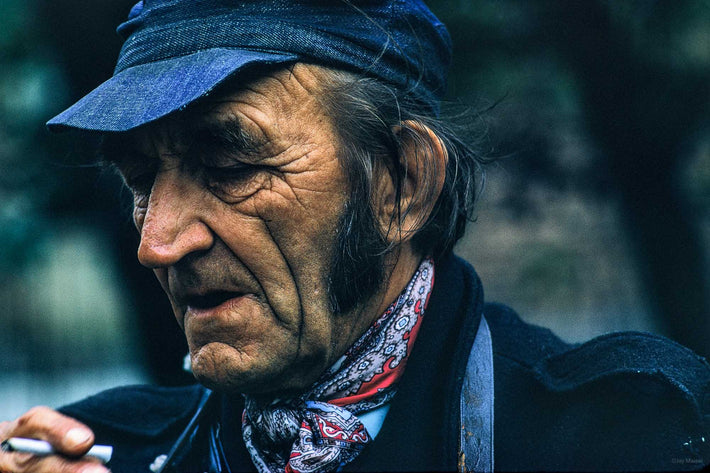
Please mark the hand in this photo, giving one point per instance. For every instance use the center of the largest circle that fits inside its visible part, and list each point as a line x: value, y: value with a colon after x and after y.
x: 68, y: 436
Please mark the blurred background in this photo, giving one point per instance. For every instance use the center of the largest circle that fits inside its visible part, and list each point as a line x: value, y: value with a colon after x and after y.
x: 596, y: 217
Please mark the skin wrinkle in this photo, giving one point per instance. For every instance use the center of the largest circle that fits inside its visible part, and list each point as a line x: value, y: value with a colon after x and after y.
x: 300, y: 299
x: 258, y: 282
x: 271, y: 235
x: 291, y: 163
x: 256, y: 218
x: 232, y: 131
x: 301, y: 309
x: 257, y: 117
x: 225, y: 281
x: 295, y: 195
x: 291, y: 272
x: 280, y: 191
x: 279, y: 95
x: 262, y: 117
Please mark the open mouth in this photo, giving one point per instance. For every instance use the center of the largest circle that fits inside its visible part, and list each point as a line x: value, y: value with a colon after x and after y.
x: 212, y: 299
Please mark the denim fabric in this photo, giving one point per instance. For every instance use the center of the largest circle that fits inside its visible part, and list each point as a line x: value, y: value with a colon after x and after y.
x: 176, y: 51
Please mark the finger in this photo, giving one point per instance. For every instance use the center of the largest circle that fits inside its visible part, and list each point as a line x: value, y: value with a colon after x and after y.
x: 5, y: 427
x: 28, y: 463
x: 68, y: 436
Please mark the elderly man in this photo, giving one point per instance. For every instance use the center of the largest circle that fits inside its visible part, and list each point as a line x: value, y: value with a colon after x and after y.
x: 298, y: 199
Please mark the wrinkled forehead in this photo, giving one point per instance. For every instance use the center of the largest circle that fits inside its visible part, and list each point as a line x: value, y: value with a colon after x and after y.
x: 237, y: 116
x: 200, y: 128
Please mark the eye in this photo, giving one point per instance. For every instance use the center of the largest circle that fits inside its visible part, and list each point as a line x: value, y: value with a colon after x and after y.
x: 141, y: 183
x: 235, y: 181
x: 138, y: 177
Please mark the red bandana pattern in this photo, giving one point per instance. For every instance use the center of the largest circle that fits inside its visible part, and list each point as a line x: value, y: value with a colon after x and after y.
x: 319, y: 431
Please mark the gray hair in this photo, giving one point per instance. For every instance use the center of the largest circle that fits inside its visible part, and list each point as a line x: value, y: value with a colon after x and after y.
x: 373, y: 119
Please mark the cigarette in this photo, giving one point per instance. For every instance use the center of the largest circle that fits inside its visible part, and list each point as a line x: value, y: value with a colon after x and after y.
x: 41, y: 448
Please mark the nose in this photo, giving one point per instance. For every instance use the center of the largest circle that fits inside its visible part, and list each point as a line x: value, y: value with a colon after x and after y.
x: 173, y: 225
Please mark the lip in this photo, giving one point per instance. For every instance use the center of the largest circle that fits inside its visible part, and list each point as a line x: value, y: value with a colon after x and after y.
x: 229, y: 304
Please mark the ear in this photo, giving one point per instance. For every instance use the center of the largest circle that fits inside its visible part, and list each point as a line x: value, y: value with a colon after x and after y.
x: 422, y: 170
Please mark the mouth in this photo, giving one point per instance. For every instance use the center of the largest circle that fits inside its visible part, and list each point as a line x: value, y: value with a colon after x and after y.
x: 210, y: 300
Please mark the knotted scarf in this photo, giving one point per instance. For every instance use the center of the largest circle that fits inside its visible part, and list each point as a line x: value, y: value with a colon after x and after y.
x: 319, y: 431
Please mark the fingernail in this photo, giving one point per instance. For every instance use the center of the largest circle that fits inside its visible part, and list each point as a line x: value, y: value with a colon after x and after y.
x: 77, y: 436
x: 94, y: 469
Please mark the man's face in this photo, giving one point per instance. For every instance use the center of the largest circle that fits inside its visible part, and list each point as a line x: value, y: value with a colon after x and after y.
x: 238, y: 212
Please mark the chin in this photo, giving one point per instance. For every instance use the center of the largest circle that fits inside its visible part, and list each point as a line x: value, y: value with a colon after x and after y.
x: 222, y: 368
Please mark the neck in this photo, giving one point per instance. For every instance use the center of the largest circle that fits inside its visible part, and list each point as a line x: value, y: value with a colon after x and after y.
x: 400, y: 268
x: 403, y: 263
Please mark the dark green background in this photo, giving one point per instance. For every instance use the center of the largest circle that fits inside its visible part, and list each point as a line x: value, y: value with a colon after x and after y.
x: 596, y: 217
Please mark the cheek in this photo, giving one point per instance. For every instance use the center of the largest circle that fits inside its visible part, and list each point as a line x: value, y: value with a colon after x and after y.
x: 302, y: 217
x: 285, y: 236
x: 161, y: 274
x: 305, y: 237
x: 247, y: 351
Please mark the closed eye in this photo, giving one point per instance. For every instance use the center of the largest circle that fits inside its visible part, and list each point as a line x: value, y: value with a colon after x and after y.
x: 140, y: 183
x: 234, y: 182
x: 216, y: 175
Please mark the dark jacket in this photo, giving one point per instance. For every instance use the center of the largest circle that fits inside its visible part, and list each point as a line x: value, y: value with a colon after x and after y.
x: 624, y: 401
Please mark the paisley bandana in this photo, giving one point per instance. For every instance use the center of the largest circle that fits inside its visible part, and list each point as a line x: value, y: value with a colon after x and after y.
x: 319, y: 431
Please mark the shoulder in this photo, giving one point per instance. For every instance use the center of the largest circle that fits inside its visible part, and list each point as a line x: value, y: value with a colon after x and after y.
x: 560, y: 366
x: 623, y: 400
x: 139, y: 410
x: 140, y: 422
x: 522, y: 343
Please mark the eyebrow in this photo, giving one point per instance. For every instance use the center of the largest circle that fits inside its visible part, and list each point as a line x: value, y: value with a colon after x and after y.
x: 205, y: 139
x: 228, y: 135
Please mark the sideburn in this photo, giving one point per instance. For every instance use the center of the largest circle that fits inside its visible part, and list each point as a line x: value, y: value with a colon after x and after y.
x: 357, y: 269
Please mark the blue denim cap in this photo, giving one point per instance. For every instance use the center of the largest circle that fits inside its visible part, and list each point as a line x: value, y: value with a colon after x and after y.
x: 177, y: 51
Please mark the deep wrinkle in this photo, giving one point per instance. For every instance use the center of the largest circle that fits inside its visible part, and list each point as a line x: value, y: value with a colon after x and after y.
x: 217, y: 137
x: 301, y: 309
x: 269, y: 239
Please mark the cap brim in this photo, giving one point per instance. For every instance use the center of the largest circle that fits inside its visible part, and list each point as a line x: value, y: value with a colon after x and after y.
x: 147, y: 92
